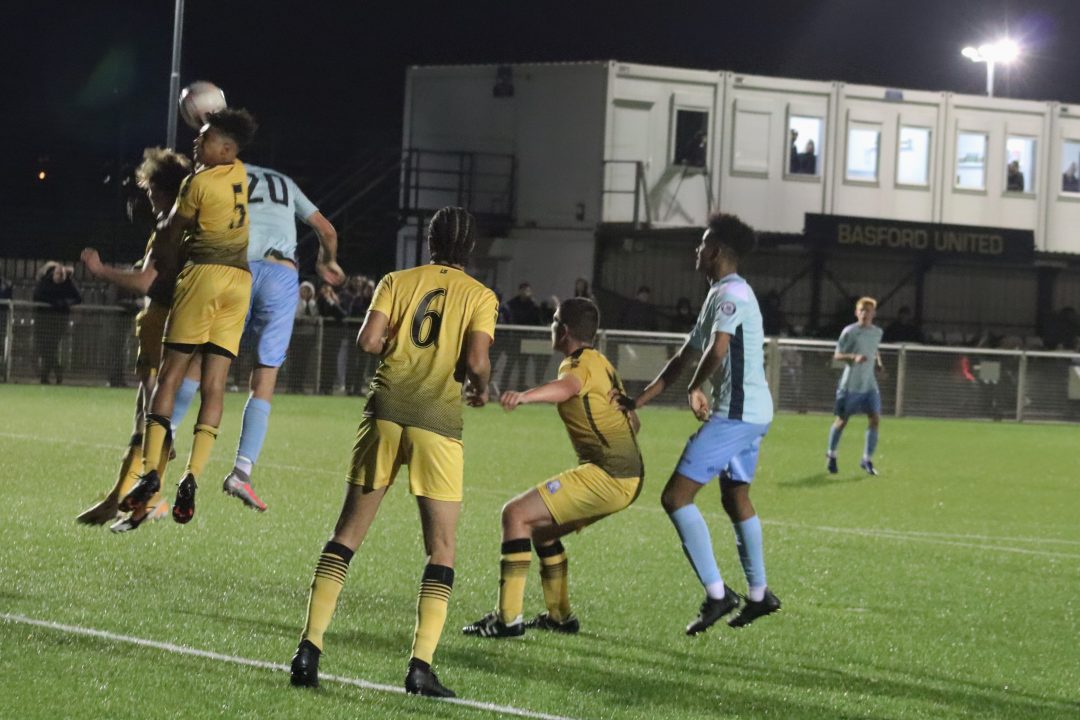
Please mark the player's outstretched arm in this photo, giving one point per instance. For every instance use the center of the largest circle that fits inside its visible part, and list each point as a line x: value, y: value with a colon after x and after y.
x: 709, y: 363
x: 326, y: 265
x: 666, y: 376
x: 477, y: 368
x: 136, y: 281
x: 556, y: 391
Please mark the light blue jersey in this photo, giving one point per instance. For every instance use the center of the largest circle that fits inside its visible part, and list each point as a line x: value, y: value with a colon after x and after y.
x: 274, y: 204
x: 740, y: 391
x: 859, y: 377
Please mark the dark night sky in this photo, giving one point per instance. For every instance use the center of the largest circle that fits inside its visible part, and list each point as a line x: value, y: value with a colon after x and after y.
x: 88, y: 82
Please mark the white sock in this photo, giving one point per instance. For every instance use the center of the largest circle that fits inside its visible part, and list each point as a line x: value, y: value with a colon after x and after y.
x: 755, y: 594
x: 243, y: 465
x: 715, y: 590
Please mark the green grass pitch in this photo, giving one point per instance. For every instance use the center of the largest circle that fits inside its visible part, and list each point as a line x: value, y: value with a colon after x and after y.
x: 945, y: 588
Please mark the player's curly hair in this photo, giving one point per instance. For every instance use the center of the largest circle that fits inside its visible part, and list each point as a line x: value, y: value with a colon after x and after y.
x: 451, y: 235
x: 731, y: 234
x: 581, y: 318
x: 163, y: 168
x: 237, y: 123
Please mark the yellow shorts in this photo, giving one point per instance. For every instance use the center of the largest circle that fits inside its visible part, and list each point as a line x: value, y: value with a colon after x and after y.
x: 587, y: 493
x: 210, y: 305
x: 149, y: 329
x: 436, y: 462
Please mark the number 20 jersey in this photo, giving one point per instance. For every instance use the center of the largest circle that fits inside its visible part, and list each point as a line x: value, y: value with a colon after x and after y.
x: 431, y: 310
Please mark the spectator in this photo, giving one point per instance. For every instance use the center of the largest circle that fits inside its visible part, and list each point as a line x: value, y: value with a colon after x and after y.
x: 1014, y: 180
x: 581, y: 289
x: 1070, y: 180
x: 793, y: 153
x: 903, y: 329
x: 808, y: 159
x: 7, y: 290
x: 638, y: 314
x: 329, y: 309
x: 523, y: 309
x: 360, y: 363
x: 685, y: 317
x: 57, y: 291
x: 304, y: 333
x: 773, y: 319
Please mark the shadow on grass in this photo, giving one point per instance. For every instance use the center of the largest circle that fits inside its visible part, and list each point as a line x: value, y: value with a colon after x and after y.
x: 821, y: 479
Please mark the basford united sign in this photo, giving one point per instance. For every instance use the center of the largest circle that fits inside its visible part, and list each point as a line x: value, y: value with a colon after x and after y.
x: 926, y: 238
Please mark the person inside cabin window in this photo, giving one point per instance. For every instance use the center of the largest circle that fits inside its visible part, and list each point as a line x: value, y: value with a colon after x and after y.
x: 1070, y: 181
x: 1014, y: 180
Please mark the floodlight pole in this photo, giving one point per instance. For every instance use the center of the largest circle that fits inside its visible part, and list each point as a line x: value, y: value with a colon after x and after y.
x: 174, y: 74
x: 989, y: 78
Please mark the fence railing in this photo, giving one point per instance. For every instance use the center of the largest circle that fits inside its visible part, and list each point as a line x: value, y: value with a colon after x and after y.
x: 95, y: 345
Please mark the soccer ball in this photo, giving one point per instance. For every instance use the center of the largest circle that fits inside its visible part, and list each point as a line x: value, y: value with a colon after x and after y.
x: 199, y: 99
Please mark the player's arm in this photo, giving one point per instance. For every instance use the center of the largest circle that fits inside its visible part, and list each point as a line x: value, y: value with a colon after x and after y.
x: 326, y: 265
x: 844, y: 351
x: 666, y: 377
x: 556, y: 391
x: 710, y: 362
x: 372, y: 337
x: 477, y: 367
x: 136, y: 281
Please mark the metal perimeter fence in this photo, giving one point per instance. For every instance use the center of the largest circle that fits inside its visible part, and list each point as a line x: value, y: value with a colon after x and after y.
x: 95, y: 345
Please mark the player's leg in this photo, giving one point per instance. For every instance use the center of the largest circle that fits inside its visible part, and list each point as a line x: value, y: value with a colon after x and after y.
x: 376, y: 458
x: 706, y: 453
x: 185, y: 394
x: 157, y: 427
x: 275, y: 289
x: 436, y: 474
x: 874, y: 421
x: 735, y: 494
x: 836, y: 430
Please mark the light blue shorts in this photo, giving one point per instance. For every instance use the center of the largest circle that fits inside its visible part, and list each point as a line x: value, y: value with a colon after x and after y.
x: 864, y: 403
x: 275, y: 292
x: 723, y: 446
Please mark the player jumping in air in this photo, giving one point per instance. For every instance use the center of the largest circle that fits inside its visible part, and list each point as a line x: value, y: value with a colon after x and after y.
x: 432, y: 327
x: 213, y: 292
x: 730, y: 338
x: 607, y: 480
x: 858, y: 389
x: 274, y: 203
x: 160, y: 174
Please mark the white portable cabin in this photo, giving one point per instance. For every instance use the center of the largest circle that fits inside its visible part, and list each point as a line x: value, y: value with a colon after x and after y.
x: 598, y: 145
x: 760, y: 181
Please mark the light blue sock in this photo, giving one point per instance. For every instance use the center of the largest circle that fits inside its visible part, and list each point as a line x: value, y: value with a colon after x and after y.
x: 871, y: 444
x: 253, y: 432
x: 751, y: 552
x: 834, y: 439
x: 697, y: 544
x: 184, y: 396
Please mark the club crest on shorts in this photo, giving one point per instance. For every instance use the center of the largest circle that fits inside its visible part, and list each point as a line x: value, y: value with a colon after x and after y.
x: 553, y: 486
x: 727, y: 307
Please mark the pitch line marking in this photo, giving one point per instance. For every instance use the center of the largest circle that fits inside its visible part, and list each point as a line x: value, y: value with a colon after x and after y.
x: 264, y: 665
x: 919, y: 537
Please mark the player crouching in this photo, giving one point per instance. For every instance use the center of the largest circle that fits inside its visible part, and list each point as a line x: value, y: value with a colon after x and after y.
x: 608, y: 479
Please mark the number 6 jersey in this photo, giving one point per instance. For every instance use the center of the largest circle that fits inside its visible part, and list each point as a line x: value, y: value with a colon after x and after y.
x: 431, y: 311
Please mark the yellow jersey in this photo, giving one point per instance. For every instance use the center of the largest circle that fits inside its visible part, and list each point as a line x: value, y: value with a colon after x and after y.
x: 167, y: 263
x: 599, y: 431
x: 432, y: 309
x: 217, y: 197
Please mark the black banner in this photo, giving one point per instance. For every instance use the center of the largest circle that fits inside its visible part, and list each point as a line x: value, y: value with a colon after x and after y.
x: 946, y: 241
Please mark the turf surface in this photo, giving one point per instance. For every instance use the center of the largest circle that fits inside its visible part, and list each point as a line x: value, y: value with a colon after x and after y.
x: 944, y: 588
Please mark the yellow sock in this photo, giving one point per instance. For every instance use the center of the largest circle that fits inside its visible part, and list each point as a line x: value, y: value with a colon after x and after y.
x: 205, y: 435
x: 131, y: 468
x: 325, y: 587
x: 553, y: 578
x: 513, y: 571
x: 431, y: 608
x: 157, y: 431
